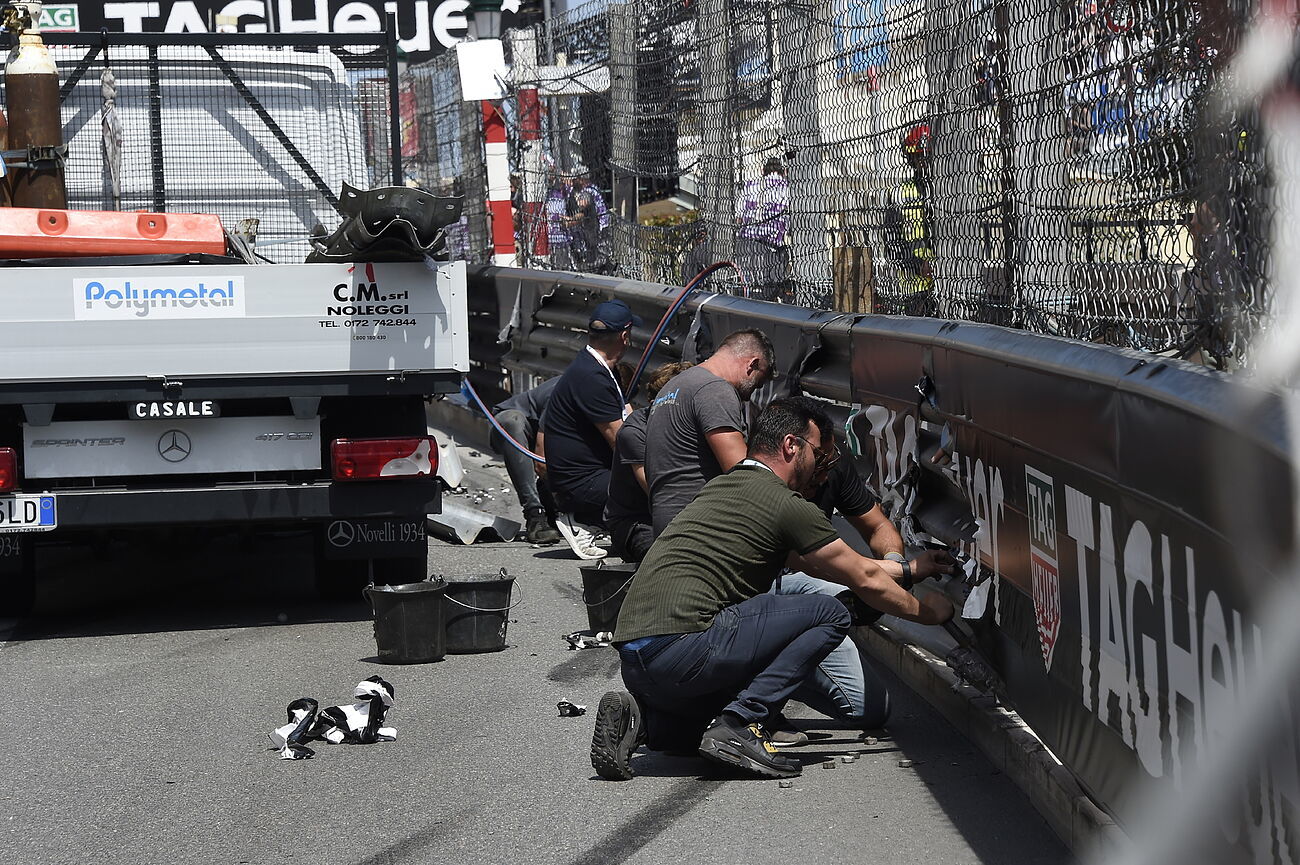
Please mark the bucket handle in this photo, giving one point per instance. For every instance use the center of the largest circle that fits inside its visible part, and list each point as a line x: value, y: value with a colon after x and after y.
x: 622, y: 588
x: 489, y: 610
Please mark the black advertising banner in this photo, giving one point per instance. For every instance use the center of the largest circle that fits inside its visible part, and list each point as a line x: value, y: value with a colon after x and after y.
x: 425, y: 28
x: 1131, y: 513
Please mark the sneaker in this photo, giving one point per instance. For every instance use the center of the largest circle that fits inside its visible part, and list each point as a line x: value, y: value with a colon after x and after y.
x: 618, y: 733
x: 538, y: 529
x: 581, y: 541
x: 783, y: 734
x: 746, y: 748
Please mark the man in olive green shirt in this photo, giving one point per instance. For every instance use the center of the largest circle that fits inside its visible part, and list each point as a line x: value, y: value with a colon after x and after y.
x: 699, y: 635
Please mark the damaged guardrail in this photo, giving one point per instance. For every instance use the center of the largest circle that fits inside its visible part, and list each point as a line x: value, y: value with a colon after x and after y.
x: 1128, y: 516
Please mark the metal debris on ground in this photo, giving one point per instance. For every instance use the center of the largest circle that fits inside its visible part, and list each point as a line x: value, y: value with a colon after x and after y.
x: 785, y: 785
x: 587, y: 639
x: 906, y: 764
x: 570, y: 710
x: 829, y: 764
x: 849, y: 758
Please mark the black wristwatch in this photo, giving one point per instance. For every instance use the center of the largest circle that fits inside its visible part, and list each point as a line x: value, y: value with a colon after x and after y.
x: 907, y: 581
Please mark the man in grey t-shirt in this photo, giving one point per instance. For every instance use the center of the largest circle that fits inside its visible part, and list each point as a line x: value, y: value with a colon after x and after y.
x: 696, y: 426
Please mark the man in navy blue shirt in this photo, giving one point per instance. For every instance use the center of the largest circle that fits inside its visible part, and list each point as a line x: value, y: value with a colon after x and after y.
x: 583, y: 417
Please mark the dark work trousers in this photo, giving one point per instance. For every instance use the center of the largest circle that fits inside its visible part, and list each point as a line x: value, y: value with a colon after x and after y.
x: 519, y: 465
x: 631, y: 539
x: 586, y: 498
x: 749, y: 662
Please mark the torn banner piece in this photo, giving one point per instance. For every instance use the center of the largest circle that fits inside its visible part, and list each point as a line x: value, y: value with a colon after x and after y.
x: 359, y: 723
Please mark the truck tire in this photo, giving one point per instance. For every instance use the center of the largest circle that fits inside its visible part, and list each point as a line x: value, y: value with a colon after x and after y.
x: 18, y: 581
x: 343, y: 579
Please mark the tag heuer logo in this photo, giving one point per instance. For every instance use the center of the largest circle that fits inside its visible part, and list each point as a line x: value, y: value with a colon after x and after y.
x: 59, y: 18
x: 1040, y: 503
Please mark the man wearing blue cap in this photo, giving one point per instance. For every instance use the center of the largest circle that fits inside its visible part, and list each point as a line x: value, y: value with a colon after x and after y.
x: 582, y: 421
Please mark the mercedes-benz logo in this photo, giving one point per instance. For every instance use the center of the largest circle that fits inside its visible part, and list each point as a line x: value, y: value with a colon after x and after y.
x: 174, y: 446
x: 341, y: 533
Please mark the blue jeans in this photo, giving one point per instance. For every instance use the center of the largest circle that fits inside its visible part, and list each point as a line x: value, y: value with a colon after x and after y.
x: 842, y: 686
x: 749, y: 662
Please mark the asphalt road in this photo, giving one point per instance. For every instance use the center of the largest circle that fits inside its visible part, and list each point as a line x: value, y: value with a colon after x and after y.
x: 138, y: 701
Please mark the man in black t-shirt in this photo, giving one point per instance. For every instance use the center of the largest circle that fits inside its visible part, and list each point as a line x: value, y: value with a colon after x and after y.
x: 843, y: 686
x: 627, y: 513
x: 582, y: 421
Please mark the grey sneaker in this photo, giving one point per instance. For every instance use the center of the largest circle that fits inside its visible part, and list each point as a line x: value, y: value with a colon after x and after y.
x: 747, y: 748
x: 618, y: 733
x: 783, y: 734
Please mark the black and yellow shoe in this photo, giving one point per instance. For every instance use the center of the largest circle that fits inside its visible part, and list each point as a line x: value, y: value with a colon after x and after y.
x: 745, y: 747
x: 618, y: 733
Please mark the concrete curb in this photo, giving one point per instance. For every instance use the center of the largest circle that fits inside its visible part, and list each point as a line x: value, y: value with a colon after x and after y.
x: 1003, y: 737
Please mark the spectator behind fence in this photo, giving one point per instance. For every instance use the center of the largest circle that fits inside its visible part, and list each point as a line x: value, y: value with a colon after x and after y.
x: 761, y: 251
x: 520, y: 416
x: 696, y: 427
x: 627, y: 513
x: 908, y: 234
x: 843, y: 686
x: 557, y: 230
x: 588, y: 221
x: 582, y: 421
x: 708, y: 654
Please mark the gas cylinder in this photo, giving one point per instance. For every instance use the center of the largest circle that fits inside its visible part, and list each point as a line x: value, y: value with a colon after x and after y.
x: 32, y: 96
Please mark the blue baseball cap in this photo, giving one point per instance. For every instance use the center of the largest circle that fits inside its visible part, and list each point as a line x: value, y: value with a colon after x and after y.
x: 613, y: 315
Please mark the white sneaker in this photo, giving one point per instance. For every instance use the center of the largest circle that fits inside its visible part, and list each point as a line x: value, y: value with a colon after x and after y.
x: 581, y: 541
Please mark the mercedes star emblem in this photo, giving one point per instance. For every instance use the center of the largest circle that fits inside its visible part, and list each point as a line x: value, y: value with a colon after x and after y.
x: 174, y: 446
x: 341, y: 533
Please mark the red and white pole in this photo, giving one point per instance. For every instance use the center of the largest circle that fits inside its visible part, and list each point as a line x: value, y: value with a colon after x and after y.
x: 498, y: 185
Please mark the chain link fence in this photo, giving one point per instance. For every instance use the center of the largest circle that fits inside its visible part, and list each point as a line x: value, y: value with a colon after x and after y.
x: 1042, y: 164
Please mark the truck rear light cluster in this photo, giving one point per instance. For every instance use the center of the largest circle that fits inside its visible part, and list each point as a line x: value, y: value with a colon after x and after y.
x: 8, y: 469
x: 371, y: 459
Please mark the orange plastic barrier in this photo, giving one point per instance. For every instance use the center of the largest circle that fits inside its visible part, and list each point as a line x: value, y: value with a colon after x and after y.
x: 27, y: 232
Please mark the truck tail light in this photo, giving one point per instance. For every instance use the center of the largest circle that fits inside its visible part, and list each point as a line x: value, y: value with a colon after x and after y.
x: 370, y: 459
x: 8, y: 469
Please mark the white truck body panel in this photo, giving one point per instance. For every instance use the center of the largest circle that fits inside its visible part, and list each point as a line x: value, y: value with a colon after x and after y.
x: 178, y: 321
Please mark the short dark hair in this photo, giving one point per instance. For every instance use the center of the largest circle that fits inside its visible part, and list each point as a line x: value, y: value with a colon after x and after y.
x: 783, y: 417
x: 750, y: 339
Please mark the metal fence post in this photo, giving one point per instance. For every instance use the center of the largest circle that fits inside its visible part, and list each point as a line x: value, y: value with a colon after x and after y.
x: 807, y: 235
x: 717, y: 150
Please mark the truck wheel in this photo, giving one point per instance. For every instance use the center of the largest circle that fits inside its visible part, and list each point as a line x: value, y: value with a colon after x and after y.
x: 341, y: 579
x: 18, y: 580
x: 395, y: 572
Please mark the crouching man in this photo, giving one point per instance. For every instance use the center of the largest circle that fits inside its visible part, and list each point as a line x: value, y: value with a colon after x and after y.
x: 708, y: 654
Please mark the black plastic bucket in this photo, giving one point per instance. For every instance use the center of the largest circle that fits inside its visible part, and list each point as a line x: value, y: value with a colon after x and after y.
x: 603, y: 589
x: 409, y: 622
x: 476, y: 610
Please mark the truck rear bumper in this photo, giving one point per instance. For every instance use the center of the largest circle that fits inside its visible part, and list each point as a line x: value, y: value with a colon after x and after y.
x: 245, y: 503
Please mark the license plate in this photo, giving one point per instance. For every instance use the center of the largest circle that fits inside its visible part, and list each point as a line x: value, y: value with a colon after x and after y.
x: 20, y: 513
x: 173, y: 409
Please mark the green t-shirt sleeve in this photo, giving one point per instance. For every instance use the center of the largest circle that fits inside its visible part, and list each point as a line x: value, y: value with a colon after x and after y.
x: 806, y: 527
